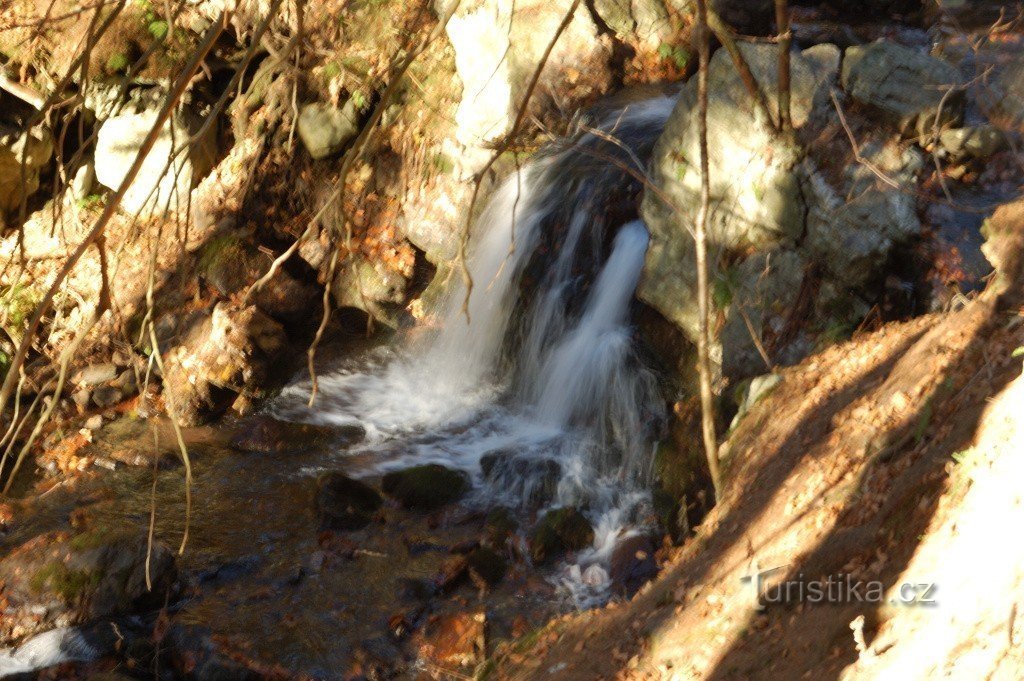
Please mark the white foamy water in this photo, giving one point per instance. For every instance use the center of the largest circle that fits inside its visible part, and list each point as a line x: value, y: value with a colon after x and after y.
x: 540, y: 395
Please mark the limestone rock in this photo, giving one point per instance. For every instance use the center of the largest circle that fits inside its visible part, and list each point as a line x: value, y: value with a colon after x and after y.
x: 325, y: 130
x: 905, y: 85
x: 166, y: 177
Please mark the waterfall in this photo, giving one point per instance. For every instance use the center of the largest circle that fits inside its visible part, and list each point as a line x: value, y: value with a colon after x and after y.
x: 540, y: 394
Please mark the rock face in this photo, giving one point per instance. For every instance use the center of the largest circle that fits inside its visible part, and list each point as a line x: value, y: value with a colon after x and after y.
x: 60, y: 580
x: 905, y: 86
x: 36, y: 149
x: 227, y: 354
x: 166, y: 177
x: 425, y: 487
x: 757, y: 199
x: 325, y: 130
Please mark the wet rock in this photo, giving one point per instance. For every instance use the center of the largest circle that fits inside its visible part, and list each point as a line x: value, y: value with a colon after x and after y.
x: 453, y: 571
x: 560, y: 531
x: 230, y: 352
x: 343, y: 503
x: 166, y: 177
x: 632, y: 564
x: 58, y: 579
x: 533, y: 480
x: 905, y: 85
x: 763, y: 211
x: 36, y: 149
x: 267, y: 435
x: 978, y: 142
x: 325, y: 130
x: 426, y: 487
x: 458, y: 639
x: 499, y: 527
x: 486, y: 567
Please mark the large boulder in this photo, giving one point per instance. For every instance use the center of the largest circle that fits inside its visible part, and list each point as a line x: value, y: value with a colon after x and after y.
x: 908, y: 87
x: 227, y: 354
x: 757, y: 202
x: 22, y: 157
x: 57, y: 580
x: 173, y: 166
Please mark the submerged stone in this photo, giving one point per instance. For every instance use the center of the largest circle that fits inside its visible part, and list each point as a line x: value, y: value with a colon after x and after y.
x: 560, y: 531
x: 268, y: 435
x: 426, y: 487
x: 343, y: 503
x: 486, y: 565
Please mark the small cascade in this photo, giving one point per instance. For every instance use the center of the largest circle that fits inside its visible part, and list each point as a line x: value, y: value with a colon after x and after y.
x: 540, y: 395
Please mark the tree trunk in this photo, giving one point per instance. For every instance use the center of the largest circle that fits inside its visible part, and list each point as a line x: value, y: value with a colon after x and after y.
x: 707, y: 403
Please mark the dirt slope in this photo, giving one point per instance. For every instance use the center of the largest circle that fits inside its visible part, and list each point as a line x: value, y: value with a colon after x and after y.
x: 893, y: 458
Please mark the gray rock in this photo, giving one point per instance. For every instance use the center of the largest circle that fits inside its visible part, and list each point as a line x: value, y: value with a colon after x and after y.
x: 979, y: 142
x: 907, y: 86
x: 756, y: 388
x: 1004, y: 99
x: 106, y: 396
x: 94, y: 374
x: 171, y: 169
x: 757, y: 200
x: 852, y: 238
x: 36, y: 149
x: 368, y: 286
x: 325, y: 130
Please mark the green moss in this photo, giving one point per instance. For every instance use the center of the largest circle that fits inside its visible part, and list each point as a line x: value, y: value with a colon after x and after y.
x: 60, y: 579
x: 89, y: 540
x: 117, y: 63
x: 219, y: 248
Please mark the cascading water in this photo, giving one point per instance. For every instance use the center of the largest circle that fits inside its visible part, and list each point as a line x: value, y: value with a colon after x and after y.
x: 540, y: 394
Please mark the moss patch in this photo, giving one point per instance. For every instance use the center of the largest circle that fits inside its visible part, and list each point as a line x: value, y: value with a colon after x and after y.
x: 59, y: 578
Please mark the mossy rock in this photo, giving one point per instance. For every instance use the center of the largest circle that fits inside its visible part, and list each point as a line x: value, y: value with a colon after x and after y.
x: 499, y: 526
x: 343, y: 503
x: 228, y: 263
x: 560, y: 531
x: 426, y: 487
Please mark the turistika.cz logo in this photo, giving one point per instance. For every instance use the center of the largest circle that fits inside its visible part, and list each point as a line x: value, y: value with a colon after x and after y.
x: 834, y: 589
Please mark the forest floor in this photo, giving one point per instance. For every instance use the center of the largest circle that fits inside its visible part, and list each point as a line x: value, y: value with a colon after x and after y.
x: 890, y: 460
